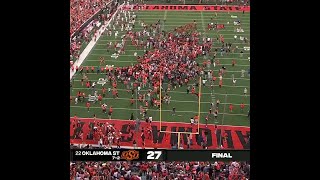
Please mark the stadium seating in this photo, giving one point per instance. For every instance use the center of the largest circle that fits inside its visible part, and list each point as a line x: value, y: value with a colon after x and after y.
x: 160, y: 170
x: 82, y: 10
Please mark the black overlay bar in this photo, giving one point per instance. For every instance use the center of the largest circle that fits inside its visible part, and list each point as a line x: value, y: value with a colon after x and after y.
x: 158, y: 155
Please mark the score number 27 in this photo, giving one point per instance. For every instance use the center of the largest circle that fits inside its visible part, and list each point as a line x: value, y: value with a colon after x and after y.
x: 151, y: 154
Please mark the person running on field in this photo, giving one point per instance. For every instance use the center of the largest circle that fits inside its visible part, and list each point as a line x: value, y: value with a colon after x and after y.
x: 245, y: 92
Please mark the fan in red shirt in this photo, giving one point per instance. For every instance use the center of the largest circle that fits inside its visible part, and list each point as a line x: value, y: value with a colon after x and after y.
x: 88, y: 106
x: 87, y: 69
x: 214, y: 78
x: 220, y: 83
x: 75, y: 117
x: 79, y: 94
x: 104, y: 108
x: 102, y: 69
x: 230, y: 107
x: 114, y: 93
x: 88, y: 84
x: 100, y: 98
x: 117, y: 95
x: 233, y: 62
x: 241, y: 107
x: 222, y: 39
x: 193, y: 90
x: 92, y: 69
x: 83, y: 96
x: 104, y: 92
x: 114, y: 85
x: 110, y: 112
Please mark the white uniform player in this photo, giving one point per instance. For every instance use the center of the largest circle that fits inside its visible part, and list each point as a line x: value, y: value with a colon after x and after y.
x: 242, y: 72
x: 116, y: 34
x: 245, y: 91
x: 233, y: 80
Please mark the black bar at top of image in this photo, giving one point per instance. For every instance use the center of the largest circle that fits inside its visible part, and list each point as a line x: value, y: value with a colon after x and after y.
x: 208, y: 155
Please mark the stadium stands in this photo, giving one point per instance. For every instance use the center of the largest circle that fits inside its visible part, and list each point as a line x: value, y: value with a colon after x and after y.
x: 82, y: 10
x: 152, y: 170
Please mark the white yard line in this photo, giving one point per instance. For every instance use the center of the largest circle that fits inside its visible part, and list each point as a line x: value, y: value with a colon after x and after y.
x: 132, y: 56
x: 127, y: 99
x: 105, y: 44
x: 164, y: 20
x: 158, y: 110
x: 165, y: 15
x: 108, y: 40
x: 98, y: 49
x: 220, y: 58
x: 215, y: 70
x: 180, y: 92
x: 224, y: 110
x: 205, y: 15
x: 203, y: 26
x: 218, y: 86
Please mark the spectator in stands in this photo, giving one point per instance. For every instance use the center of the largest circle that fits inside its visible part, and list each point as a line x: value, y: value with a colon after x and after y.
x: 160, y: 170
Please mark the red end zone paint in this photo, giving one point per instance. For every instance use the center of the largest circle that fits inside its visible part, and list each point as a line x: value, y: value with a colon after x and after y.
x: 189, y: 8
x: 237, y: 136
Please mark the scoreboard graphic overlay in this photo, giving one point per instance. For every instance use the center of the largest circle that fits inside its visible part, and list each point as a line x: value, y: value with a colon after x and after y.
x: 158, y: 155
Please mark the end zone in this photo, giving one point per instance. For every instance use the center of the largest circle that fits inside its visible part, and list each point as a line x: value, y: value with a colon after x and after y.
x: 187, y: 8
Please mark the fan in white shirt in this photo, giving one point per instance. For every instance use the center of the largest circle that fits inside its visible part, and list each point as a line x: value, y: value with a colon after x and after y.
x: 234, y: 81
x: 192, y: 121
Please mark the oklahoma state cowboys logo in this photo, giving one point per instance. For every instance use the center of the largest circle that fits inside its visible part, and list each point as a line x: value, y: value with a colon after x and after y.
x: 130, y: 155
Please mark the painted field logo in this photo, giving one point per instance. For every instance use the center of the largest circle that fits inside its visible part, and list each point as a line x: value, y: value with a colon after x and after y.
x: 130, y: 155
x: 102, y: 81
x: 221, y: 155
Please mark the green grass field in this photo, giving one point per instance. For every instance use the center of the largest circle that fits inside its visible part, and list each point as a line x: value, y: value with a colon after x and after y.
x: 186, y: 104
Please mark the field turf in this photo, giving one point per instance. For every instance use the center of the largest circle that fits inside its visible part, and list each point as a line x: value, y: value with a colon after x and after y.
x: 186, y: 104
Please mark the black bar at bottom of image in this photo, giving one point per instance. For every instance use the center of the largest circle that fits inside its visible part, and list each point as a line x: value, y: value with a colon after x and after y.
x: 158, y: 155
x: 116, y: 155
x: 208, y: 155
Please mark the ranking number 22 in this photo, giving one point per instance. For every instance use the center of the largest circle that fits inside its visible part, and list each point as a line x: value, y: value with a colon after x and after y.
x: 151, y: 154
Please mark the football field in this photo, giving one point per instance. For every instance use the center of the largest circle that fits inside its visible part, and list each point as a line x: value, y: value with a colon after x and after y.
x: 186, y: 104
